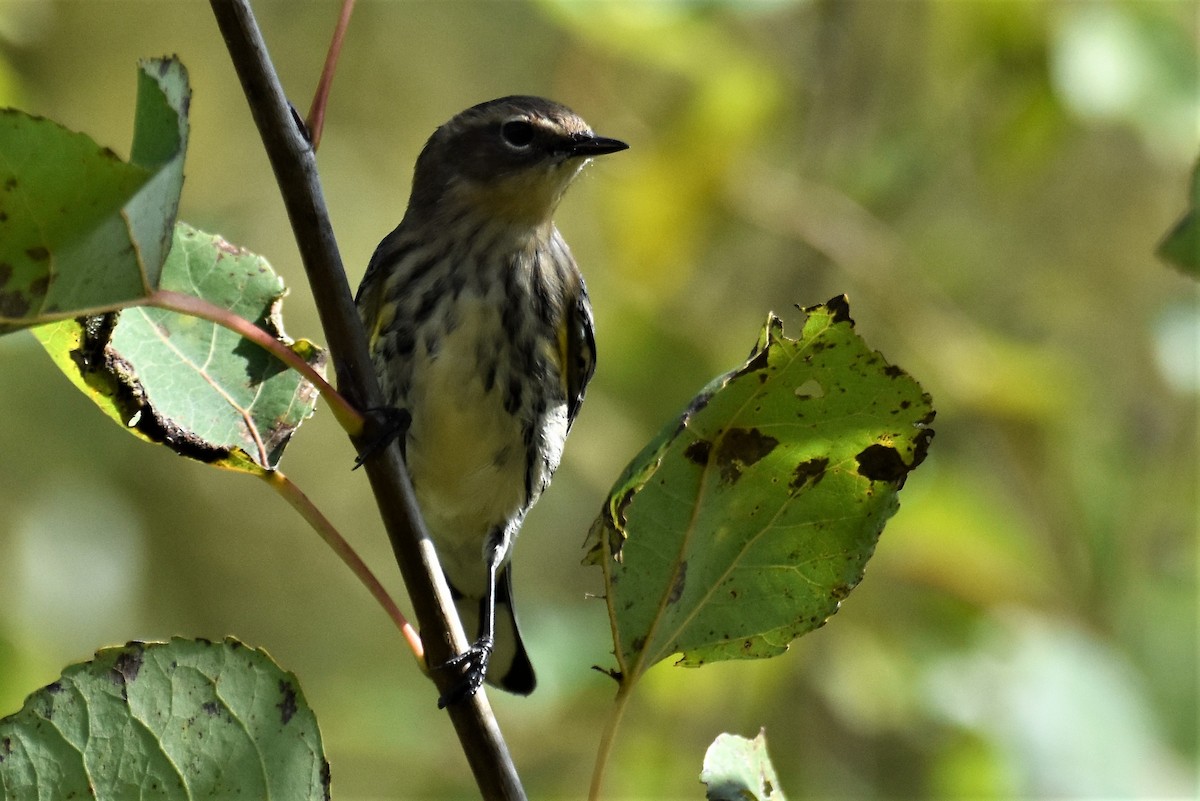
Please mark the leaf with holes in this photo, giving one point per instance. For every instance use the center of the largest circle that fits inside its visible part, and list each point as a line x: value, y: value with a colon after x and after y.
x: 80, y: 229
x: 180, y: 720
x: 744, y: 523
x: 184, y: 382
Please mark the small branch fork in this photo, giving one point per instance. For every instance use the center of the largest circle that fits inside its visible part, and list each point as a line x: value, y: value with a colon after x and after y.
x: 293, y: 161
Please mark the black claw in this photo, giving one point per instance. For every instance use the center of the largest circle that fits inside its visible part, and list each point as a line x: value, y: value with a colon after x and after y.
x: 473, y: 663
x: 383, y: 425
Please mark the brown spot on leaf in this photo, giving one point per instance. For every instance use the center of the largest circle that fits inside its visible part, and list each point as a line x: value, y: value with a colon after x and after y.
x: 881, y: 463
x: 678, y: 584
x: 742, y: 447
x: 839, y: 592
x: 921, y: 445
x: 839, y: 309
x: 892, y: 371
x: 129, y: 663
x: 38, y: 253
x: 127, y: 666
x: 287, y: 704
x: 13, y: 304
x: 808, y: 473
x: 698, y: 452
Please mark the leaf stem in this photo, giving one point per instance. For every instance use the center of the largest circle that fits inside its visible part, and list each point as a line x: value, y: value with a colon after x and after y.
x: 609, y: 735
x: 296, y: 498
x: 347, y: 416
x: 315, y: 121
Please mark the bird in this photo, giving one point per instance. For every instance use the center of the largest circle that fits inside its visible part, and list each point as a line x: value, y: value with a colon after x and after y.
x: 480, y: 331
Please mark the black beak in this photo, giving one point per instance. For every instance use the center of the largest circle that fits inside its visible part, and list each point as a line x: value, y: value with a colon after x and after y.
x: 596, y: 146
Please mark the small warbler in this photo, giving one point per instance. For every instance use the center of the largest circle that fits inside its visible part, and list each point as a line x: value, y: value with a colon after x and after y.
x: 480, y: 331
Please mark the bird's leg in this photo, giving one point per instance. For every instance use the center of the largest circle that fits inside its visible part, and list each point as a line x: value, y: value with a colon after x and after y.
x: 384, y: 424
x: 474, y: 661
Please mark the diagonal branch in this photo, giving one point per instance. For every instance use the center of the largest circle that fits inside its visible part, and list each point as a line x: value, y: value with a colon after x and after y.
x: 295, y: 169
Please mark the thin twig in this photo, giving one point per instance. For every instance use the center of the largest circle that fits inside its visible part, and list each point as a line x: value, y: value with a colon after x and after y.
x: 295, y: 171
x: 288, y: 490
x: 315, y: 121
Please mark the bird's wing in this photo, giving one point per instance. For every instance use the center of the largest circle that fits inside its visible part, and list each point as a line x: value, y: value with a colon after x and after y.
x: 579, y: 350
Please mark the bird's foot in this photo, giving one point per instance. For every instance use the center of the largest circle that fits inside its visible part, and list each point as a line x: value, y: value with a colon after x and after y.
x: 384, y: 424
x: 472, y: 664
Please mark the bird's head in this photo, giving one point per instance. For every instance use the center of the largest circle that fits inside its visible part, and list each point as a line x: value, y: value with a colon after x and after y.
x: 508, y: 160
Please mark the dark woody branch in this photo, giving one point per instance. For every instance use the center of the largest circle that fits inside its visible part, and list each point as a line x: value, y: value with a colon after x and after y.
x: 293, y: 161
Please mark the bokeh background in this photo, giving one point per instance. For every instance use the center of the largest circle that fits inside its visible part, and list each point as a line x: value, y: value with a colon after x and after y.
x: 986, y: 181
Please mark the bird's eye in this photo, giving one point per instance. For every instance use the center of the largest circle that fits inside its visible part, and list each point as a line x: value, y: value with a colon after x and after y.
x: 517, y: 133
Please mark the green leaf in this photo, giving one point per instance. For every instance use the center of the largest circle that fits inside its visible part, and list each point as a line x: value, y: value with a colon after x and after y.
x: 188, y: 383
x: 181, y: 720
x: 80, y: 230
x: 1181, y: 245
x: 737, y: 769
x: 743, y: 525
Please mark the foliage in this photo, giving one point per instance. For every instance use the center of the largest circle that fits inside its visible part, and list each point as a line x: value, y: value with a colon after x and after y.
x: 80, y: 229
x: 986, y: 182
x: 187, y: 383
x: 194, y: 719
x: 746, y: 522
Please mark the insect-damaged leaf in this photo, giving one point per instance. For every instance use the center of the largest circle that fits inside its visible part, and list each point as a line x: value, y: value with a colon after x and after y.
x: 744, y: 523
x: 188, y: 383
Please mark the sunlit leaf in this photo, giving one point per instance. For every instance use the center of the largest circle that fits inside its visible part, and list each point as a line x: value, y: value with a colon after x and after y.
x: 181, y: 720
x: 745, y: 523
x: 80, y: 229
x: 188, y: 383
x: 737, y: 769
x: 1181, y: 246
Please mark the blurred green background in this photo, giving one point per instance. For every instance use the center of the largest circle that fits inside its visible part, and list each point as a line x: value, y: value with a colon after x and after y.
x: 987, y: 182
